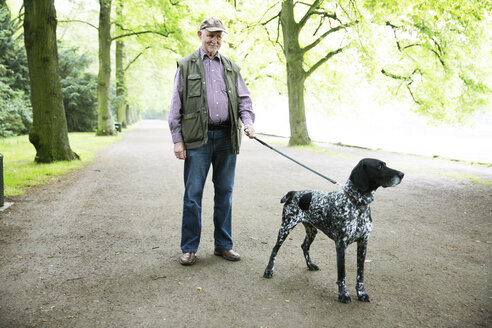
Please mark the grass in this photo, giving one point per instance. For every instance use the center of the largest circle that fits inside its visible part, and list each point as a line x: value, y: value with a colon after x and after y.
x: 21, y: 172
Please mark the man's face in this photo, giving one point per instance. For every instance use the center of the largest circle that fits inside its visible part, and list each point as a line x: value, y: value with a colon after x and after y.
x: 211, y: 41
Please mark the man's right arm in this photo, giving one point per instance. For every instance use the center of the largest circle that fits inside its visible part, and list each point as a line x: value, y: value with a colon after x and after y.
x: 174, y: 118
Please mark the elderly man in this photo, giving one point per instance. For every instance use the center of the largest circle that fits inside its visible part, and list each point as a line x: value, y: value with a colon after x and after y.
x: 210, y: 100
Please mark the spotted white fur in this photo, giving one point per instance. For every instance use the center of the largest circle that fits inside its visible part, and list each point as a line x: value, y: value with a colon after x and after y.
x: 344, y: 216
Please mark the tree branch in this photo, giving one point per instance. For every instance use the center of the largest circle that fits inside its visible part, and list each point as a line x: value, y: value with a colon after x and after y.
x: 308, y: 14
x: 438, y: 53
x: 324, y: 35
x: 135, y: 59
x: 412, y: 95
x: 263, y: 24
x: 18, y: 21
x: 393, y: 28
x: 272, y: 18
x: 396, y: 77
x: 323, y: 60
x: 278, y: 36
x: 139, y: 33
x: 407, y: 80
x: 79, y: 21
x: 269, y: 20
x: 323, y: 15
x: 303, y: 3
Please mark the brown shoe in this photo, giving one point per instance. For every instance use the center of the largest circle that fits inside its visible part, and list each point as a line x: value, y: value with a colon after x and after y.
x: 188, y: 258
x: 227, y: 254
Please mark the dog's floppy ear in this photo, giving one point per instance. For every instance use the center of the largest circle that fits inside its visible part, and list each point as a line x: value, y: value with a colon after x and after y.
x: 359, y: 177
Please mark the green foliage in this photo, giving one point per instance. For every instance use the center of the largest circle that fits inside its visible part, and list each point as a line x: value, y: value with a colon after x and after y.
x: 434, y: 53
x: 157, y: 33
x: 15, y: 112
x: 15, y: 109
x: 441, y: 63
x: 13, y: 59
x: 21, y: 172
x: 79, y: 89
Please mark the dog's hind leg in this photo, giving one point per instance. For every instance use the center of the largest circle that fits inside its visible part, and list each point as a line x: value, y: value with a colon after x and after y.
x: 361, y: 257
x: 343, y: 294
x: 311, y: 232
x: 287, y: 225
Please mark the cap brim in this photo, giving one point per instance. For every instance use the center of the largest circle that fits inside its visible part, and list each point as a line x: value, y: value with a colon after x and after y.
x: 215, y: 29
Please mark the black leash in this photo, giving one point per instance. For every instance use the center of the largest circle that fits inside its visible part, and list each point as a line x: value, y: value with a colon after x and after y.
x: 304, y: 166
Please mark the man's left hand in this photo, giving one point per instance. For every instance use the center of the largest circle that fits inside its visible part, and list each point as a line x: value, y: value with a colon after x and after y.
x: 249, y: 130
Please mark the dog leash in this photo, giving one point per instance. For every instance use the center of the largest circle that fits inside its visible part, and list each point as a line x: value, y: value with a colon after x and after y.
x: 304, y: 166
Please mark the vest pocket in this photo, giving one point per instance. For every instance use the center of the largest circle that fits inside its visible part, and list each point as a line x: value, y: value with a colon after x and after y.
x: 192, y: 127
x: 194, y: 85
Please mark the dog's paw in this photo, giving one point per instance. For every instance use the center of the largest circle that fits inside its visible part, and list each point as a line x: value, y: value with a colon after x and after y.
x: 363, y: 297
x: 361, y: 293
x: 344, y: 298
x: 268, y: 273
x: 313, y: 267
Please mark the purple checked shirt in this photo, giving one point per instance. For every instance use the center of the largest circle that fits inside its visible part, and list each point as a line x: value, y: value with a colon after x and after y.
x: 217, y: 99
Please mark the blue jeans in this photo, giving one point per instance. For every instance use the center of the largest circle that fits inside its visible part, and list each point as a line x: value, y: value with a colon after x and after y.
x: 218, y: 153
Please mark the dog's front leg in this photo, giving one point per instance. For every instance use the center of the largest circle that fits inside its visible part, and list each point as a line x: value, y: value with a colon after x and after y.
x: 361, y: 257
x: 343, y: 294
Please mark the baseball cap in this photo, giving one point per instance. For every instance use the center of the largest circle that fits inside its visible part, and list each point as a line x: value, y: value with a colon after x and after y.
x: 212, y: 24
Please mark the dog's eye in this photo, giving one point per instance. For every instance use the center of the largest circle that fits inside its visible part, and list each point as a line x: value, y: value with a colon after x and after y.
x: 380, y: 167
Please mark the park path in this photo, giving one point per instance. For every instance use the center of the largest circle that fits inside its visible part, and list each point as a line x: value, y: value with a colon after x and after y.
x: 98, y: 247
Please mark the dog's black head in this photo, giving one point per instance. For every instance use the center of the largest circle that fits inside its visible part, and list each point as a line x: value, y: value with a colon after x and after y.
x: 370, y: 174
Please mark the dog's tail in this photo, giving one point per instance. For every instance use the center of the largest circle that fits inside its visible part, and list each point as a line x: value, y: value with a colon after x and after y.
x: 288, y: 197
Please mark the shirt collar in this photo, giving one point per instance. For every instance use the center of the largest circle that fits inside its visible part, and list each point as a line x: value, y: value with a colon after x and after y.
x: 203, y: 54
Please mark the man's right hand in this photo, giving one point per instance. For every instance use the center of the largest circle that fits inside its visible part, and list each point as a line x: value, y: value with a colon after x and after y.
x: 180, y: 150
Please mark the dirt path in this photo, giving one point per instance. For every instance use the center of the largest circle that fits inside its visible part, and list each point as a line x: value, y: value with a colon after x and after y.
x: 98, y: 248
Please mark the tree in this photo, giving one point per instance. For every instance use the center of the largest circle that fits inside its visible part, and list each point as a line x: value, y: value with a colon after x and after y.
x: 120, y: 73
x: 105, y: 124
x: 437, y: 54
x: 15, y: 107
x: 320, y: 23
x: 49, y: 131
x: 12, y: 54
x: 105, y: 121
x: 79, y: 89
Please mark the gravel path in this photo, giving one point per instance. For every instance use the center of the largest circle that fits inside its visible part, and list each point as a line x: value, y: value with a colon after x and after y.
x: 99, y: 247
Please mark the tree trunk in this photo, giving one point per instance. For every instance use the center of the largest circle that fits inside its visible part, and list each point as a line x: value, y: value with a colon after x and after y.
x: 105, y: 124
x: 120, y: 84
x: 120, y: 72
x: 297, y: 114
x: 296, y: 75
x: 49, y: 133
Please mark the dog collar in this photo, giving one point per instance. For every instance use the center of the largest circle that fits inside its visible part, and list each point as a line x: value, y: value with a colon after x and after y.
x: 358, y: 199
x: 357, y: 203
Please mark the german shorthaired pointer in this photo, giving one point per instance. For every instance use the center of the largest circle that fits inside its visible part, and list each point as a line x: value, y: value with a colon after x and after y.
x: 344, y: 216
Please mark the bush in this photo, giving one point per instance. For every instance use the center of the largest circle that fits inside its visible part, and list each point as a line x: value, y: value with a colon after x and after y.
x: 79, y: 90
x: 15, y: 112
x: 15, y: 107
